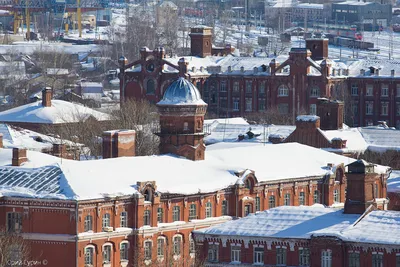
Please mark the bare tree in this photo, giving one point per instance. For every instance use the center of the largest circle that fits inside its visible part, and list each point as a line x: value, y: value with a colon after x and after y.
x: 13, y: 248
x: 271, y: 116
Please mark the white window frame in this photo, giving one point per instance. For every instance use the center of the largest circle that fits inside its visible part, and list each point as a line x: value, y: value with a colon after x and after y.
x: 304, y: 257
x: 257, y: 204
x: 161, y: 243
x: 106, y: 220
x: 384, y: 90
x: 192, y: 245
x: 147, y: 217
x: 326, y: 258
x: 302, y: 198
x: 124, y: 255
x: 369, y: 108
x: 314, y: 91
x: 14, y: 222
x: 222, y: 86
x: 249, y: 104
x: 123, y: 219
x: 193, y: 211
x: 249, y: 87
x: 369, y: 90
x: 336, y: 196
x: 354, y: 89
x: 258, y: 255
x: 354, y: 261
x: 313, y: 109
x: 160, y: 214
x: 236, y: 86
x: 224, y: 207
x: 281, y: 256
x: 384, y: 108
x: 283, y: 90
x: 88, y: 223
x: 106, y: 255
x: 208, y: 210
x: 89, y: 254
x: 286, y: 201
x: 236, y: 104
x: 377, y: 259
x: 176, y: 213
x: 177, y: 245
x: 235, y: 254
x: 213, y: 253
x: 316, y: 197
x: 271, y: 199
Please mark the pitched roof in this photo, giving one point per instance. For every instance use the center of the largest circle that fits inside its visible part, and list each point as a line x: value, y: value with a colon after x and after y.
x: 118, y: 176
x: 59, y: 112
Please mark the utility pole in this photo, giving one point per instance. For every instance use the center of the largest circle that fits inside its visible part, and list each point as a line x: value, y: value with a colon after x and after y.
x: 28, y: 21
x: 79, y: 14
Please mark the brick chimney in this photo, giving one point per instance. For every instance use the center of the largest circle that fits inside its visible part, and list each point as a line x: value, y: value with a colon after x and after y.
x: 119, y: 143
x: 365, y: 187
x: 19, y: 156
x: 331, y: 114
x: 46, y: 97
x: 183, y: 67
x: 60, y: 150
x: 1, y: 141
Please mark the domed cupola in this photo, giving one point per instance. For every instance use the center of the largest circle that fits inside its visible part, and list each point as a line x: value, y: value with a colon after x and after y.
x: 181, y: 120
x: 181, y: 92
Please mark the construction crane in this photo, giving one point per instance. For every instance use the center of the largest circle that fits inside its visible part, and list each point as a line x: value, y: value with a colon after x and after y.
x: 19, y: 8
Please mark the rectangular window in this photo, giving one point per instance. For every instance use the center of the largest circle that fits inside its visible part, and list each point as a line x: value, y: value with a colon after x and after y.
x: 258, y: 204
x: 222, y: 86
x: 397, y: 108
x: 236, y: 104
x: 192, y: 212
x: 354, y: 259
x: 147, y: 250
x: 124, y: 219
x: 370, y: 90
x: 160, y: 247
x: 177, y: 245
x: 160, y: 215
x: 224, y: 207
x: 369, y: 108
x: 235, y: 254
x: 336, y: 196
x: 249, y: 104
x: 106, y: 220
x: 223, y: 102
x: 283, y: 108
x: 385, y: 90
x: 261, y: 104
x: 398, y: 90
x: 316, y: 196
x: 271, y: 202
x: 14, y: 222
x: 146, y: 217
x: 247, y: 210
x: 397, y: 260
x: 326, y: 258
x: 384, y: 108
x: 176, y: 214
x: 89, y: 255
x: 283, y: 90
x: 213, y: 253
x: 313, y: 109
x: 208, y: 210
x: 249, y: 86
x: 354, y: 108
x: 236, y: 86
x: 261, y: 88
x: 354, y: 89
x: 302, y: 198
x: 304, y: 257
x: 377, y: 260
x: 124, y: 251
x: 287, y: 200
x: 281, y: 256
x: 88, y: 224
x: 258, y: 255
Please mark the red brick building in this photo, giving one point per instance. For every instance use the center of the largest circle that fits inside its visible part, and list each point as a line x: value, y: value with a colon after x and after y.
x: 142, y: 210
x: 360, y: 235
x: 237, y: 86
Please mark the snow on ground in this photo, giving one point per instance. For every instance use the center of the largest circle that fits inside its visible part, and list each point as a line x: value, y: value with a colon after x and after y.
x: 59, y: 112
x: 173, y: 174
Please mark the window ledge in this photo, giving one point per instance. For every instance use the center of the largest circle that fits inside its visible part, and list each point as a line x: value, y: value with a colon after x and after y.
x: 192, y: 255
x: 177, y: 257
x: 124, y: 263
x: 147, y: 262
x: 235, y: 262
x: 258, y: 264
x: 160, y: 258
x: 108, y: 264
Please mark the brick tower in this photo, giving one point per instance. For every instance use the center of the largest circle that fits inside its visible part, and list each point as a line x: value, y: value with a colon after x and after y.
x: 365, y: 187
x: 200, y: 41
x: 181, y: 120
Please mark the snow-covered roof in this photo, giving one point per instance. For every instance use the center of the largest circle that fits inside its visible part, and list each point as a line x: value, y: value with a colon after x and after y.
x: 380, y: 139
x: 302, y: 222
x: 354, y: 3
x: 355, y: 141
x: 217, y: 171
x: 393, y: 182
x: 59, y: 112
x: 238, y: 120
x: 286, y: 222
x: 19, y: 137
x: 311, y: 118
x: 181, y: 92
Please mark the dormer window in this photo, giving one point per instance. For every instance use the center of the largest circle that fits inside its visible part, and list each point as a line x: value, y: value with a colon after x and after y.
x: 248, y: 183
x: 148, y: 195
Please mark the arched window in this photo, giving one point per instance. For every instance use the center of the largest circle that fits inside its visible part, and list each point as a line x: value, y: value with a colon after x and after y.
x: 336, y: 196
x: 287, y: 200
x: 208, y: 210
x: 146, y: 217
x: 248, y: 183
x: 314, y: 91
x: 283, y: 90
x: 192, y: 212
x: 107, y: 253
x: 326, y: 258
x: 150, y: 87
x: 177, y: 245
x: 271, y: 202
x: 192, y: 246
x: 147, y: 250
x: 148, y: 195
x: 339, y: 175
x: 89, y: 252
x: 124, y: 219
x: 161, y: 241
x: 88, y: 225
x: 124, y: 250
x: 160, y: 215
x: 106, y: 220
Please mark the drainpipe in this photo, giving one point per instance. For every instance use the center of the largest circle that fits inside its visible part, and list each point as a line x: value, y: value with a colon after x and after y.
x: 76, y: 231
